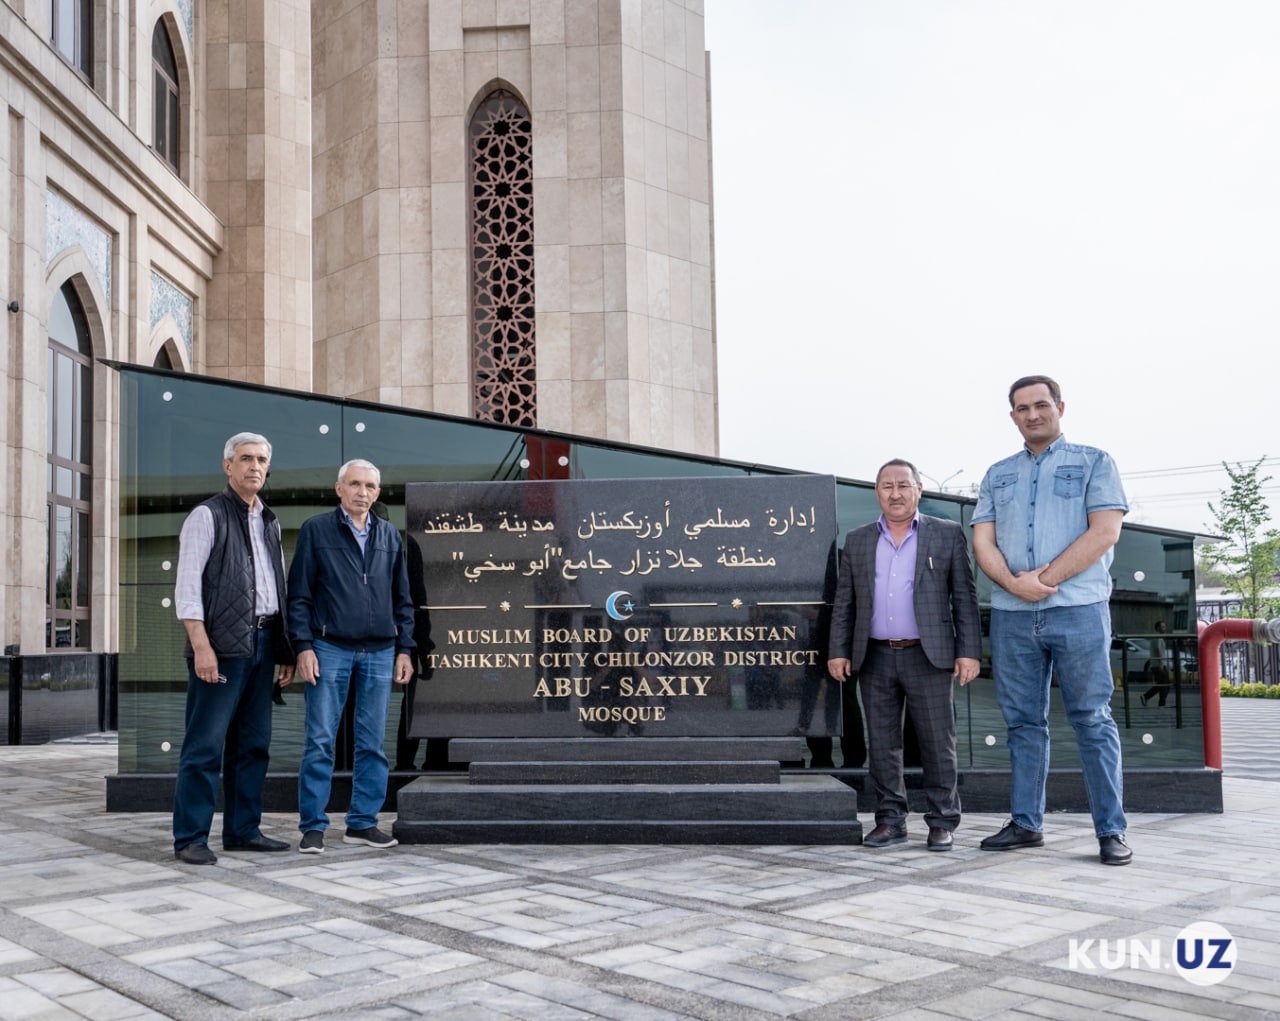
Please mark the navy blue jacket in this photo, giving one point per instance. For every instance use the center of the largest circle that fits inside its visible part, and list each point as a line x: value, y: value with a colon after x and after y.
x: 335, y: 595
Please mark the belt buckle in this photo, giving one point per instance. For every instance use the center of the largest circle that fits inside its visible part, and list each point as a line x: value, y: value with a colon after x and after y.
x: 264, y: 620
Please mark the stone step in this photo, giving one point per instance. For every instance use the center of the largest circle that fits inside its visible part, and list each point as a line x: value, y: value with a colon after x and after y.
x: 679, y: 773
x: 646, y: 831
x: 797, y: 810
x: 618, y: 749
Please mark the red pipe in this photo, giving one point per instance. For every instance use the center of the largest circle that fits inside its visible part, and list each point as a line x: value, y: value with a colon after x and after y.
x: 1211, y: 639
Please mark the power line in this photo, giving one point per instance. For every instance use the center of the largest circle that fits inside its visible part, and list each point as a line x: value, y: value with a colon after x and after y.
x: 1192, y: 494
x: 1193, y: 469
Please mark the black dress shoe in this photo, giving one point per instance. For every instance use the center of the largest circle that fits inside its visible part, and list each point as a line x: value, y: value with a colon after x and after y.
x: 1114, y: 851
x: 939, y: 839
x: 884, y: 835
x: 1011, y: 837
x: 258, y: 843
x: 196, y: 854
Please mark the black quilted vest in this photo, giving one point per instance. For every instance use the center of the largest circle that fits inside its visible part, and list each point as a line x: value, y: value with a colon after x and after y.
x: 227, y: 582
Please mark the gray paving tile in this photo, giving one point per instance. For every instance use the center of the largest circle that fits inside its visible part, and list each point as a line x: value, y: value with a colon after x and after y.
x: 100, y: 922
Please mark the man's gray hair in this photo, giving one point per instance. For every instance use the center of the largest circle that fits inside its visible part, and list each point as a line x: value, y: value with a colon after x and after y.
x: 239, y: 440
x: 359, y: 462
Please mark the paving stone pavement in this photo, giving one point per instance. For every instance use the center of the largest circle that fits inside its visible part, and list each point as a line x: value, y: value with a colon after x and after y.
x: 98, y: 921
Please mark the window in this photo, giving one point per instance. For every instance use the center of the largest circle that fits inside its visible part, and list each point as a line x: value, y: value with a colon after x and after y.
x: 502, y: 310
x: 165, y: 359
x: 165, y: 96
x: 72, y: 22
x: 69, y: 481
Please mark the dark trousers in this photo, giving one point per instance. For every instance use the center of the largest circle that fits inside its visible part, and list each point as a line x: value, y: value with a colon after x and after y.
x: 894, y: 680
x: 226, y: 723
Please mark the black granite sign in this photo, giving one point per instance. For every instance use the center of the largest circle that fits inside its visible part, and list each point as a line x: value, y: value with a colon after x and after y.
x: 683, y: 607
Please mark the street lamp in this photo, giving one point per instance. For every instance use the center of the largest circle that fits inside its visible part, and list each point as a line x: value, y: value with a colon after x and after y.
x: 941, y: 487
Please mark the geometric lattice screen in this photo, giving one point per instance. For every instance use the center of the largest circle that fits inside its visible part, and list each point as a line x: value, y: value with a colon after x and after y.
x: 502, y: 311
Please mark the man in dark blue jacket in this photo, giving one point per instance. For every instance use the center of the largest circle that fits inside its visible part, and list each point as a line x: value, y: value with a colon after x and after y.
x: 351, y: 621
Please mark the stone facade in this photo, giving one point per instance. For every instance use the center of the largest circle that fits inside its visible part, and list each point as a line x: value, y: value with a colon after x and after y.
x: 618, y: 95
x: 314, y: 234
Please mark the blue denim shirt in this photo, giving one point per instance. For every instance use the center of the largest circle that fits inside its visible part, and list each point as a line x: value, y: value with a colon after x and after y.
x: 1041, y: 505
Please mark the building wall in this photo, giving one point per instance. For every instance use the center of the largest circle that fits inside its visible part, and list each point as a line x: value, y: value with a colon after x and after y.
x: 315, y: 232
x: 83, y: 198
x: 256, y: 74
x: 617, y: 91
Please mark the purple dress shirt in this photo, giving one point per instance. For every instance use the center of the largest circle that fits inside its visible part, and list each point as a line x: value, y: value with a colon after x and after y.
x: 893, y: 608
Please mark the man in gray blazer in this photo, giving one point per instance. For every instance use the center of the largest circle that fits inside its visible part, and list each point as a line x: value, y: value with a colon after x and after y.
x: 905, y: 621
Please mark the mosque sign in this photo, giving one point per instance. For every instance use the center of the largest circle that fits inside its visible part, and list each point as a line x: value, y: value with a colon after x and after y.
x: 671, y: 607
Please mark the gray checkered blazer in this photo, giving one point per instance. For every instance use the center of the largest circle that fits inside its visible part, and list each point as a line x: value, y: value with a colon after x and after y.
x: 946, y: 600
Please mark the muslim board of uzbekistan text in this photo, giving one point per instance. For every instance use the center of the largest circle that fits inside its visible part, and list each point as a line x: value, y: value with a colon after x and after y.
x: 605, y: 658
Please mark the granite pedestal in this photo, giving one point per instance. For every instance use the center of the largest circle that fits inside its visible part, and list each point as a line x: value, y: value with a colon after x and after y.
x: 632, y: 791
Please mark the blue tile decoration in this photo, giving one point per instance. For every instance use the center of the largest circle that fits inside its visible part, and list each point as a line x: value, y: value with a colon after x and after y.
x: 168, y: 300
x: 184, y: 8
x: 65, y: 226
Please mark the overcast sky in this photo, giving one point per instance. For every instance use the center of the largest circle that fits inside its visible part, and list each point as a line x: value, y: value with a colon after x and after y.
x: 918, y: 201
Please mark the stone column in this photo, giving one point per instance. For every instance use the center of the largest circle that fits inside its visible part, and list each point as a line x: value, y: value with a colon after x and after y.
x: 259, y: 184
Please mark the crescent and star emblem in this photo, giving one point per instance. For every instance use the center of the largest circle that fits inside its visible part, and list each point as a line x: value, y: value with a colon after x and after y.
x: 620, y: 605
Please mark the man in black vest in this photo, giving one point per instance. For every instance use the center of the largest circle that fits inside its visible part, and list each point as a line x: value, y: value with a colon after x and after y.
x: 230, y: 598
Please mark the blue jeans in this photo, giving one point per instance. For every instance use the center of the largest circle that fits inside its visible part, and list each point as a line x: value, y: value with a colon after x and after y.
x: 230, y: 721
x: 371, y: 671
x: 1027, y: 646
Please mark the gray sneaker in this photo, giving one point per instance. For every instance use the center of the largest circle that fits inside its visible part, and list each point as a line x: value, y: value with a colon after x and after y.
x: 312, y: 842
x: 373, y: 836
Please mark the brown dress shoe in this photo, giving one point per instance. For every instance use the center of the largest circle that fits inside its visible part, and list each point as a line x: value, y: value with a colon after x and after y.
x: 884, y: 835
x: 939, y: 839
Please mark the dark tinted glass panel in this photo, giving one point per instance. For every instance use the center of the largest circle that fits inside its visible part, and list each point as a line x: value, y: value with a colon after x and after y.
x: 85, y: 40
x: 72, y: 32
x: 409, y: 449
x: 62, y: 557
x: 63, y: 408
x: 161, y: 124
x: 172, y: 433
x: 162, y: 51
x: 590, y: 461
x: 48, y: 588
x: 62, y: 325
x: 172, y: 436
x: 83, y: 567
x: 172, y: 150
x: 84, y: 431
x: 52, y: 419
x: 64, y: 28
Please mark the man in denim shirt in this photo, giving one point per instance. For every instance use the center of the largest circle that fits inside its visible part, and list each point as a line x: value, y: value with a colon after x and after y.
x: 1043, y: 531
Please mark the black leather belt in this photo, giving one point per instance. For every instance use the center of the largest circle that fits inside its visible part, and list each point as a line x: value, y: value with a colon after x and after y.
x: 266, y: 621
x: 897, y: 643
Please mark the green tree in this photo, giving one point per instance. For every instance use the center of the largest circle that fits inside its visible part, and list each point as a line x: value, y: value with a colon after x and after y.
x: 1246, y: 556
